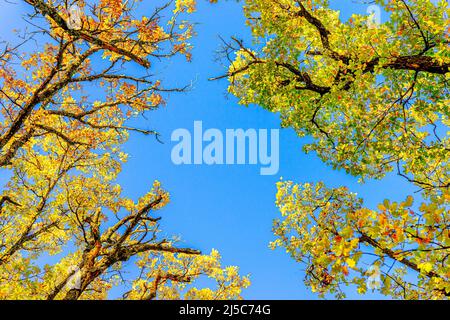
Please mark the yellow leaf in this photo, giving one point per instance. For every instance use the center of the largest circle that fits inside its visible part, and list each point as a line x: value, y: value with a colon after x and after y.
x: 425, y: 266
x: 351, y: 263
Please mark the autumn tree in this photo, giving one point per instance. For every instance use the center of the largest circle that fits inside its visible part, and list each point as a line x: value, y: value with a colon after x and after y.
x: 66, y: 96
x: 375, y: 99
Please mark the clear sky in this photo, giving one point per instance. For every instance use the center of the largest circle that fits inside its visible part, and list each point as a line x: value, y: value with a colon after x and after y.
x: 229, y: 208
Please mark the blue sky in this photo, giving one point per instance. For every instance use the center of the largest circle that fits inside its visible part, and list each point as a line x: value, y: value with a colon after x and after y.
x: 229, y: 208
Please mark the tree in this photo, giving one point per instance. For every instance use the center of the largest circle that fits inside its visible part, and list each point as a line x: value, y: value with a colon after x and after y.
x: 375, y: 99
x: 64, y: 113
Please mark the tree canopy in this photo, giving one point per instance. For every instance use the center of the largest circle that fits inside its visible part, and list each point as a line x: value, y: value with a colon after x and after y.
x: 373, y: 95
x: 375, y: 99
x: 65, y: 104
